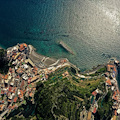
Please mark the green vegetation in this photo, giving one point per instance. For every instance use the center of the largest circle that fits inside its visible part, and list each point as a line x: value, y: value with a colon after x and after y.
x: 105, y: 107
x: 63, y: 97
x: 3, y: 62
x: 99, y: 71
x: 24, y: 112
x: 102, y: 70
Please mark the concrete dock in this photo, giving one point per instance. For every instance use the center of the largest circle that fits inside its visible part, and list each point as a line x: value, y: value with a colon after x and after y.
x: 66, y: 47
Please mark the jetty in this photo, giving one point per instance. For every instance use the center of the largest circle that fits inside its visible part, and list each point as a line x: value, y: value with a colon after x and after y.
x: 66, y: 47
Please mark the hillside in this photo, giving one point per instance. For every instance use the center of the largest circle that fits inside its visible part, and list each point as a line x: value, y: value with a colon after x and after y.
x: 63, y: 97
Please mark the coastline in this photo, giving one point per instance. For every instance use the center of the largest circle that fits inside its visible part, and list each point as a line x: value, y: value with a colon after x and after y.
x: 24, y: 55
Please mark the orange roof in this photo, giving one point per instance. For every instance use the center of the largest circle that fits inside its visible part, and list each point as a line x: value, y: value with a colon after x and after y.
x: 46, y: 76
x: 109, y: 67
x: 6, y: 76
x: 114, y: 93
x: 2, y: 76
x: 15, y: 99
x: 21, y: 92
x: 1, y: 107
x: 115, y: 98
x: 115, y: 69
x: 19, y: 70
x: 117, y: 91
x: 12, y: 107
x: 32, y: 84
x: 9, y: 100
x: 22, y: 47
x: 25, y: 44
x: 115, y: 112
x: 94, y: 111
x: 31, y: 94
x: 94, y: 93
x: 109, y: 82
x: 63, y: 61
x: 35, y: 68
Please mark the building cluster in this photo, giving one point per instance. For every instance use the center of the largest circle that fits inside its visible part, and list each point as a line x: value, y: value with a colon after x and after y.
x: 20, y: 79
x: 111, y: 83
x: 94, y: 104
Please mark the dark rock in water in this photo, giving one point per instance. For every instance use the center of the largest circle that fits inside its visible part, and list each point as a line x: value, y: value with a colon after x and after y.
x: 65, y: 35
x: 103, y: 54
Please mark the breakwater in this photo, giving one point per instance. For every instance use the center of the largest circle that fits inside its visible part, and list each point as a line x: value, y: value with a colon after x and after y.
x: 66, y: 47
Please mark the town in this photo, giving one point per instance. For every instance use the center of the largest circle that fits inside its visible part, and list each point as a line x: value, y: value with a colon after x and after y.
x: 22, y: 76
x: 27, y: 68
x: 110, y: 84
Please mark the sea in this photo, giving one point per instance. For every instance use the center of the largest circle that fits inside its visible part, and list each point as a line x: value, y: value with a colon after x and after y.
x: 91, y: 28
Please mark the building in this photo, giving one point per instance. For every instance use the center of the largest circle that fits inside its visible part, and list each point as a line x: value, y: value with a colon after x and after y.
x: 108, y: 82
x: 34, y: 78
x: 15, y: 99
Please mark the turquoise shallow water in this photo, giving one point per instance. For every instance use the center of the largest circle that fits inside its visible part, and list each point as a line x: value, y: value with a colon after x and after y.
x: 91, y: 28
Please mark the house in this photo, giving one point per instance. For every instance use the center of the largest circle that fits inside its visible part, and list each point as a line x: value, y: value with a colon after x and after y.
x: 94, y: 111
x: 94, y: 93
x: 2, y: 106
x: 30, y: 94
x: 15, y: 99
x: 110, y: 67
x: 9, y: 100
x: 114, y: 96
x: 28, y: 61
x: 29, y: 80
x: 108, y: 82
x: 65, y: 74
x: 6, y: 77
x: 34, y: 78
x: 21, y: 47
x: 115, y: 112
x: 17, y: 55
x: 25, y: 45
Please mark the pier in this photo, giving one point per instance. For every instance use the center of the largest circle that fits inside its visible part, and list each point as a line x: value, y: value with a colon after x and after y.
x: 66, y: 47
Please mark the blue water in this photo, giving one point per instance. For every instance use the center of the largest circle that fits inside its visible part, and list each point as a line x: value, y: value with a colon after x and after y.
x: 91, y: 28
